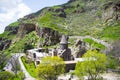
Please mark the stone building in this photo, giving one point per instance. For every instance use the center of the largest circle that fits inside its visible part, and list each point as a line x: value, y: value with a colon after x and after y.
x: 65, y: 52
x: 36, y: 55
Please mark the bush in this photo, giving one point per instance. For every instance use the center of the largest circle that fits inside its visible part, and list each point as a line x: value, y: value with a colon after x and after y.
x: 6, y: 75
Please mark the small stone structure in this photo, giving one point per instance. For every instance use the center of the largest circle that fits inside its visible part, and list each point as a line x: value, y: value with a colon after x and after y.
x: 80, y: 48
x: 36, y: 55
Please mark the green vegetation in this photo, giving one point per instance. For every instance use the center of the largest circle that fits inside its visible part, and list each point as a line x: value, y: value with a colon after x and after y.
x: 50, y: 68
x: 29, y: 65
x: 6, y: 76
x: 72, y: 41
x: 50, y: 21
x: 94, y: 44
x: 19, y: 76
x: 111, y: 32
x: 4, y: 35
x: 10, y: 76
x: 94, y: 64
x: 56, y: 7
x: 30, y: 39
x: 3, y: 60
x: 113, y: 63
x: 14, y: 24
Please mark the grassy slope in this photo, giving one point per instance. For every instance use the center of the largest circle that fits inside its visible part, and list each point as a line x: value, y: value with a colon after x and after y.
x: 19, y: 46
x: 14, y: 24
x: 111, y: 32
x: 94, y: 44
x: 83, y: 23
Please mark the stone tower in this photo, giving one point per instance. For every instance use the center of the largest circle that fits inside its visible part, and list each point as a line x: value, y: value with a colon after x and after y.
x: 64, y: 51
x: 64, y: 42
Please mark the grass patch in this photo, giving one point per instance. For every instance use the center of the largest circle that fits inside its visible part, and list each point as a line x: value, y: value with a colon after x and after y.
x: 71, y: 42
x: 56, y: 7
x: 19, y: 46
x: 94, y: 44
x: 111, y: 32
x: 6, y: 35
x: 14, y: 24
x: 29, y: 65
x: 54, y: 22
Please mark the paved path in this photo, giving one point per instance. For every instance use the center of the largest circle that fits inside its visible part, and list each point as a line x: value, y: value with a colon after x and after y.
x: 111, y: 76
x: 27, y: 75
x: 106, y: 76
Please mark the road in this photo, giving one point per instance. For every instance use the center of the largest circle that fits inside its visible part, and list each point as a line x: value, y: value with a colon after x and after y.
x: 27, y: 75
x: 8, y: 66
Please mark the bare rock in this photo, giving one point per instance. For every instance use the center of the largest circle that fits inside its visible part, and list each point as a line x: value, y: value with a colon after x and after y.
x: 50, y: 36
x: 12, y: 29
x: 24, y: 29
x: 80, y: 48
x: 111, y: 11
x: 4, y: 44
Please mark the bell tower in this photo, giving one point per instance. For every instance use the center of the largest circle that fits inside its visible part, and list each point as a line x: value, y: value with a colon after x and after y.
x: 64, y: 42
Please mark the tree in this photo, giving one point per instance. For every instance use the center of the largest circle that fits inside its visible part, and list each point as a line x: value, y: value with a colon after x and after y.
x: 6, y: 75
x: 28, y: 46
x: 50, y: 68
x: 113, y: 62
x: 94, y: 63
x: 3, y: 59
x: 10, y: 76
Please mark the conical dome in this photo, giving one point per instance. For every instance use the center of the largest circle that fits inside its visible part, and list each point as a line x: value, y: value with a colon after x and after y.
x: 63, y: 40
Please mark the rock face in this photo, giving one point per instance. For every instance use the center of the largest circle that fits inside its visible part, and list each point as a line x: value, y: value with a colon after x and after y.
x: 12, y: 29
x: 116, y: 49
x: 50, y: 36
x: 4, y: 44
x: 24, y: 29
x: 60, y: 12
x: 80, y: 48
x: 111, y: 11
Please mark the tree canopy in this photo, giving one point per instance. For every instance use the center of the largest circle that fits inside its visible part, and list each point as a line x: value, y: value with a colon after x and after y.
x: 94, y: 63
x: 50, y: 67
x: 6, y: 75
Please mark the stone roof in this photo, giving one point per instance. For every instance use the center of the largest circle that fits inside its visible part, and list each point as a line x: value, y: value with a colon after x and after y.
x: 63, y: 40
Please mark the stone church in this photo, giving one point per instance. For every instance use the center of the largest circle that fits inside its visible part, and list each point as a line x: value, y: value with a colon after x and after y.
x: 64, y: 52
